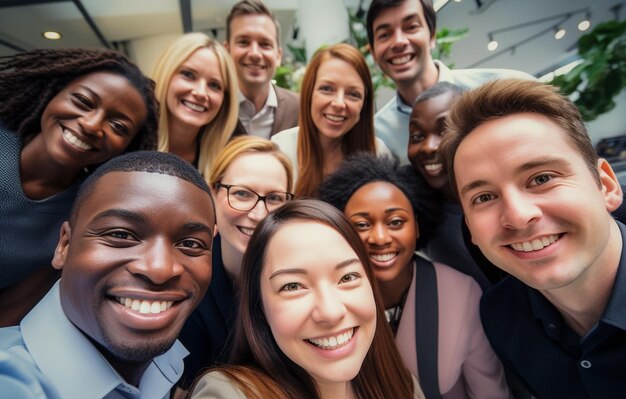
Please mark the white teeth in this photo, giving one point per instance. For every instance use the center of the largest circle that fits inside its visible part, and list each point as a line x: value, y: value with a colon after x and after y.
x: 195, y: 107
x: 432, y: 167
x: 383, y: 257
x: 334, y: 341
x: 246, y: 230
x: 401, y: 60
x: 335, y: 118
x: 534, y: 245
x: 72, y: 139
x: 145, y: 306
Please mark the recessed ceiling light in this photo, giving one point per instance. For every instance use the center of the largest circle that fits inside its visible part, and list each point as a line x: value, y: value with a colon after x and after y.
x: 51, y: 35
x: 559, y: 33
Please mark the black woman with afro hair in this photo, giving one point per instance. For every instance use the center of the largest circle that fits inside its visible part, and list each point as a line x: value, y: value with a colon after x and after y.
x: 432, y: 308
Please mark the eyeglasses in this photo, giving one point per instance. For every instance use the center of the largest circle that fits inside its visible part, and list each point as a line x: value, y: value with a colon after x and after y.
x: 244, y: 199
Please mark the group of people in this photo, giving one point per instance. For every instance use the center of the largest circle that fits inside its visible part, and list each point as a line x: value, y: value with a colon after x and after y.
x: 207, y: 234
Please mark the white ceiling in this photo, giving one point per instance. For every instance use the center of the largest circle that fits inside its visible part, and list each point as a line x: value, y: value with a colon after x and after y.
x: 120, y: 21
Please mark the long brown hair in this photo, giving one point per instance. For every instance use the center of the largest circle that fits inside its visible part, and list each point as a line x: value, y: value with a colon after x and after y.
x: 359, y: 138
x: 382, y: 374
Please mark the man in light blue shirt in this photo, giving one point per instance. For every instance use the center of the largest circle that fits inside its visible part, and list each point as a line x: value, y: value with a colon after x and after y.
x: 401, y: 34
x: 135, y: 258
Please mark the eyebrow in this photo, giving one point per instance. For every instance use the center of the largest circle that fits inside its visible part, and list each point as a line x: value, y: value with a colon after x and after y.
x: 525, y: 167
x: 386, y: 211
x: 198, y: 227
x: 405, y: 19
x: 122, y: 214
x: 338, y: 266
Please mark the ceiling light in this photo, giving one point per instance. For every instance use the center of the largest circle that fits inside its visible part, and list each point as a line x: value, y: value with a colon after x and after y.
x: 51, y: 35
x: 458, y: 1
x: 585, y: 23
x: 493, y: 44
x: 559, y: 32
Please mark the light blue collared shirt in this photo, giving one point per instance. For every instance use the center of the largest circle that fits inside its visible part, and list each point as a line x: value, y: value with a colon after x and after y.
x: 392, y: 120
x: 52, y: 346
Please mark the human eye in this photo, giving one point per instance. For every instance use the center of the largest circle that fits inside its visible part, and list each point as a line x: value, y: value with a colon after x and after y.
x: 83, y: 102
x: 412, y: 26
x: 416, y: 137
x: 349, y: 277
x: 267, y: 45
x: 241, y: 193
x: 290, y: 287
x: 481, y: 198
x: 192, y: 246
x: 396, y: 223
x: 382, y: 35
x: 119, y: 127
x: 187, y: 74
x: 243, y: 42
x: 216, y: 86
x: 355, y: 94
x: 119, y: 238
x: 325, y: 88
x: 540, y: 179
x: 361, y: 225
x: 276, y: 198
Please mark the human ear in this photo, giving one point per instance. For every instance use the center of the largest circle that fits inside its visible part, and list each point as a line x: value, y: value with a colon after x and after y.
x: 610, y: 186
x: 60, y: 253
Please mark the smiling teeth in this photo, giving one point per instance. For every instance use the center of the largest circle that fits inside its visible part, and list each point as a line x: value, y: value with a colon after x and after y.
x: 144, y: 306
x: 195, y: 107
x: 401, y: 60
x: 432, y: 167
x: 334, y: 341
x: 335, y: 118
x: 72, y: 139
x: 383, y: 257
x: 534, y: 245
x: 246, y: 230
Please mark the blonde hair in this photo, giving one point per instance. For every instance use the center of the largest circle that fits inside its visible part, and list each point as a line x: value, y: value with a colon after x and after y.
x: 216, y: 133
x: 245, y: 145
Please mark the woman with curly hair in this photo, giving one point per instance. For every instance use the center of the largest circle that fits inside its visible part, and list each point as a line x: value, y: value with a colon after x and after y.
x: 196, y: 85
x: 62, y: 113
x: 432, y: 308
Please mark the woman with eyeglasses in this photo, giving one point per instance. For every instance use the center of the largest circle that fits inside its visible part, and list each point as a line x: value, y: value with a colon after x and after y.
x: 249, y: 179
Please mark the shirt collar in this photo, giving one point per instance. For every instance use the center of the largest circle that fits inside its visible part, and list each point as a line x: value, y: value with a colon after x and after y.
x: 445, y: 74
x: 272, y: 100
x: 74, y: 365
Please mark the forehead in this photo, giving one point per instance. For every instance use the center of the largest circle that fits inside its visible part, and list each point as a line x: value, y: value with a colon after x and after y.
x: 507, y: 143
x: 308, y: 245
x: 340, y: 71
x: 395, y: 15
x: 257, y: 24
x: 254, y: 165
x: 440, y: 103
x: 152, y: 194
x: 378, y: 195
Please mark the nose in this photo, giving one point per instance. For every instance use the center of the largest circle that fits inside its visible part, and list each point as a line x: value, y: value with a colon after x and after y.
x: 519, y: 210
x: 254, y: 49
x: 432, y: 143
x: 259, y: 212
x: 329, y: 307
x: 158, y: 263
x: 399, y: 39
x: 339, y: 101
x: 378, y: 235
x: 200, y: 89
x: 91, y: 122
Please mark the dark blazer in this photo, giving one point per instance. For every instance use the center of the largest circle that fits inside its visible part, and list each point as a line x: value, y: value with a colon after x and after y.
x: 207, y: 332
x: 286, y: 114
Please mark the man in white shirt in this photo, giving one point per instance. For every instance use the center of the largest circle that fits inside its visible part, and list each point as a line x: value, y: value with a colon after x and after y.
x: 401, y: 34
x: 252, y: 39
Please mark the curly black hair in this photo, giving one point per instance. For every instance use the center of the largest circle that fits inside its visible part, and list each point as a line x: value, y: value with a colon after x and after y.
x: 28, y: 81
x: 361, y: 169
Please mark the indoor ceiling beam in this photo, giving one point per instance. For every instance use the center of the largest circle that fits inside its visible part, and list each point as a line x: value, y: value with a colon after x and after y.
x: 185, y: 14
